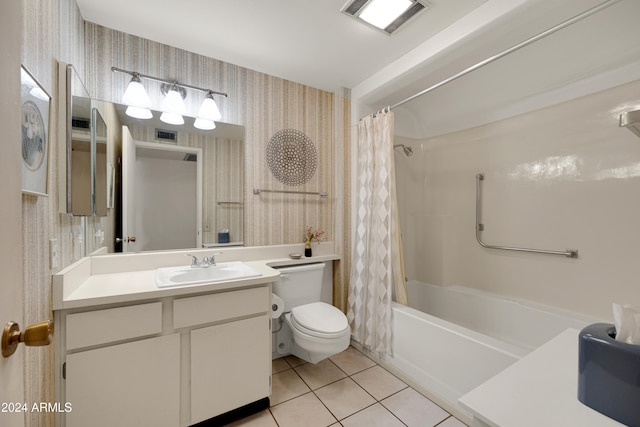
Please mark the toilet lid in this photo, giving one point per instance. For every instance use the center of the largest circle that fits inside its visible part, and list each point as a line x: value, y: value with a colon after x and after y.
x: 319, y: 317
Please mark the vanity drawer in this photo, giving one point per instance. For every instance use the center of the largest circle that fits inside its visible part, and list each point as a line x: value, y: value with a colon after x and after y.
x: 114, y: 324
x: 221, y: 306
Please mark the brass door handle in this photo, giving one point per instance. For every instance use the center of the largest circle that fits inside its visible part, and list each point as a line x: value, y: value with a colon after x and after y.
x: 131, y: 239
x: 35, y: 335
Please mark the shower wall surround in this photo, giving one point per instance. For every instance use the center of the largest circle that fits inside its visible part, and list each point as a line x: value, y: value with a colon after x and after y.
x: 561, y: 177
x: 55, y: 31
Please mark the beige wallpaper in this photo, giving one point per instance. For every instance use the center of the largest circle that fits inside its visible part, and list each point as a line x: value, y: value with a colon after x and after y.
x: 54, y: 31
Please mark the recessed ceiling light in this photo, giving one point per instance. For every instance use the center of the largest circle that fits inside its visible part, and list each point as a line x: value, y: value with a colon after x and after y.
x: 386, y: 15
x: 381, y: 13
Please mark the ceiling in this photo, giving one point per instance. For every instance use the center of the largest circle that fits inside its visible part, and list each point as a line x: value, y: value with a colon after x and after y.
x: 306, y: 41
x: 313, y: 43
x: 592, y: 54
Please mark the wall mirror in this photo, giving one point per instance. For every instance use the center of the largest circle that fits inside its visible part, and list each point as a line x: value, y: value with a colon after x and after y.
x: 180, y: 187
x: 81, y: 167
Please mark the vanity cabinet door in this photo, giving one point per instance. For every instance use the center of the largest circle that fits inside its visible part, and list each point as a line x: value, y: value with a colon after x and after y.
x: 132, y: 384
x: 230, y: 366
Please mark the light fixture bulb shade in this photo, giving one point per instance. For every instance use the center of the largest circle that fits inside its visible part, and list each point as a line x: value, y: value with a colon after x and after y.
x: 172, y: 118
x: 209, y: 109
x: 204, y: 124
x: 138, y: 113
x: 173, y: 103
x: 135, y: 95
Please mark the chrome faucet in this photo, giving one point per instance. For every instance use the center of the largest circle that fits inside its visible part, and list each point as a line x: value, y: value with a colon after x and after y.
x: 207, y: 261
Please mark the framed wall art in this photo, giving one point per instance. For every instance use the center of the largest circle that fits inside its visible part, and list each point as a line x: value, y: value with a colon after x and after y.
x: 36, y: 104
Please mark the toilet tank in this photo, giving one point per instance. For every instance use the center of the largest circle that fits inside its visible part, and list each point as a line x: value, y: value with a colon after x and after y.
x: 300, y: 284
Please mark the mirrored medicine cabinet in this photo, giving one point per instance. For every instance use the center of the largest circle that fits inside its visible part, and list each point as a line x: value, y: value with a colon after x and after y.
x: 83, y: 164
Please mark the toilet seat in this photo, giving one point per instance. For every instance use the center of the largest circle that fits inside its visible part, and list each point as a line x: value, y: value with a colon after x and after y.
x: 320, y: 320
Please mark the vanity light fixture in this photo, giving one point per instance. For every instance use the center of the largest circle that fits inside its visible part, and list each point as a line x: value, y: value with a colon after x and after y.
x: 386, y: 15
x: 138, y: 113
x: 173, y: 106
x: 208, y: 113
x: 137, y: 100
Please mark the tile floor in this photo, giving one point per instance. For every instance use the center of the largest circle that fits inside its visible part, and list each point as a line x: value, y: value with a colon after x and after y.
x: 349, y: 390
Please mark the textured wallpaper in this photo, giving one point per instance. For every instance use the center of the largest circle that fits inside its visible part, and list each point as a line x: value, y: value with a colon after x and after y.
x: 52, y: 30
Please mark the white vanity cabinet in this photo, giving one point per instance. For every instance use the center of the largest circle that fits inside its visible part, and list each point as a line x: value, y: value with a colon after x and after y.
x: 230, y: 366
x: 136, y: 383
x: 170, y: 361
x: 231, y: 360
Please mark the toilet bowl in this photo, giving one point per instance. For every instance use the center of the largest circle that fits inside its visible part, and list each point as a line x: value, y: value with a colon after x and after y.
x: 309, y: 329
x: 319, y: 331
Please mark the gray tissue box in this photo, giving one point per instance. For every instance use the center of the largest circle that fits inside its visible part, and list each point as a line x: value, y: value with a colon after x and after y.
x: 609, y: 374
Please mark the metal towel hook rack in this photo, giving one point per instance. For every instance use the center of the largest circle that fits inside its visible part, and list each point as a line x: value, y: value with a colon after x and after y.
x: 569, y: 253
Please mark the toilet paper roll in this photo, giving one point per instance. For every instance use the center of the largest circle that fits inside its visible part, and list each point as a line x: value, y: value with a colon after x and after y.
x: 277, y: 306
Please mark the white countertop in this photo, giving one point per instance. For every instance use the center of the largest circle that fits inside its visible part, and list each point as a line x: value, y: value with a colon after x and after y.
x: 125, y: 278
x: 541, y: 389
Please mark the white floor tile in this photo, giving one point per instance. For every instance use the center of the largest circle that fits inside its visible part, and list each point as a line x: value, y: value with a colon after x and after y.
x: 373, y: 416
x: 321, y: 374
x: 414, y: 409
x: 344, y: 398
x: 286, y: 385
x: 303, y: 411
x: 378, y: 382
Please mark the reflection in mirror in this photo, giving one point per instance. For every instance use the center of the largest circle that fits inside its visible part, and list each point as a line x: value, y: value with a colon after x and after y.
x: 99, y: 160
x: 79, y: 200
x: 221, y: 215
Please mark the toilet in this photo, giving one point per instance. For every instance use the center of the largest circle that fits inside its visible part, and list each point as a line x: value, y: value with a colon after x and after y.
x: 308, y: 328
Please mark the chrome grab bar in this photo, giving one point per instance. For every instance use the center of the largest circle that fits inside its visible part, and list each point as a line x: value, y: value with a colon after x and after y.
x: 569, y: 253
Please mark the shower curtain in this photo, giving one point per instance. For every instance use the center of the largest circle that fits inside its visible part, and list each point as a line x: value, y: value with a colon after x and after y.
x: 377, y: 267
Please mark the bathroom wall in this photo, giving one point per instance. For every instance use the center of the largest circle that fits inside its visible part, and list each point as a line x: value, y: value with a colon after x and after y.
x: 52, y: 30
x: 561, y: 177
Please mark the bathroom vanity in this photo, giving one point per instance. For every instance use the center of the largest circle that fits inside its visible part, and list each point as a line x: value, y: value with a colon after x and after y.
x: 130, y: 353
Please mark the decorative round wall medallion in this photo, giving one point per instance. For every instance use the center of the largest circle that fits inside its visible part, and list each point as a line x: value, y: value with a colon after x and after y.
x: 291, y: 157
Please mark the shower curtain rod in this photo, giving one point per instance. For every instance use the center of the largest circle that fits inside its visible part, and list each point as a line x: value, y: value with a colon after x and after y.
x: 527, y: 42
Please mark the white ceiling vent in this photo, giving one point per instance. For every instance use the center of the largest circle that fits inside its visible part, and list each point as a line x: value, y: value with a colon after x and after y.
x: 385, y: 15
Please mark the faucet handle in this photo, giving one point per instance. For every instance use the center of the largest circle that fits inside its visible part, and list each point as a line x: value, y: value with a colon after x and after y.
x: 194, y: 260
x: 211, y: 259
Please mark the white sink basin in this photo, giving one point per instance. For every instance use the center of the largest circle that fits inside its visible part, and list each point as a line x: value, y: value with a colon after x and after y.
x: 186, y: 275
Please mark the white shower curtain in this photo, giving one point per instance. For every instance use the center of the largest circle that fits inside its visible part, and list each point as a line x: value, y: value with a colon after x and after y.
x: 377, y: 267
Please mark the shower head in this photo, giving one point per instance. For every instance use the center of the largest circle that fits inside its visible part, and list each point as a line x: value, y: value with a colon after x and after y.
x: 408, y: 151
x: 631, y: 120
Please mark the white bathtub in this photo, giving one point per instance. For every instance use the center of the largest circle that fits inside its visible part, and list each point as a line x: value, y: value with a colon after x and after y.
x: 452, y: 339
